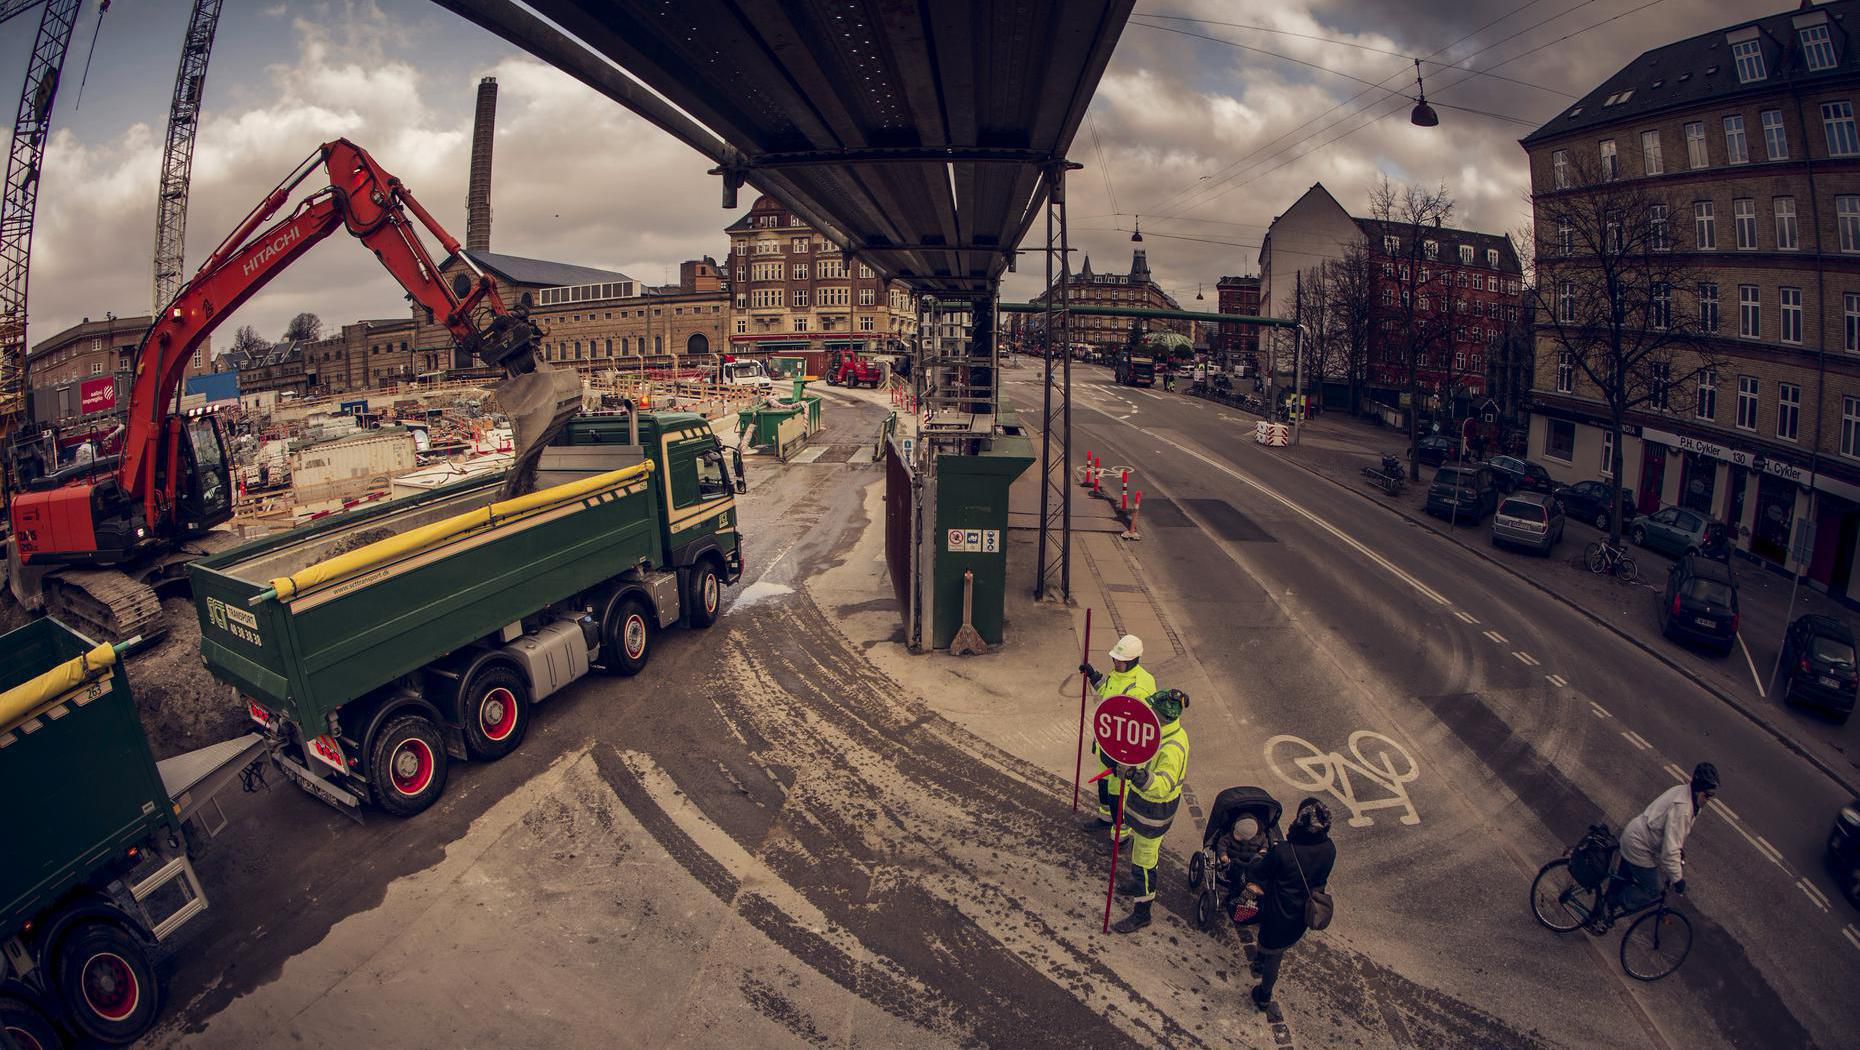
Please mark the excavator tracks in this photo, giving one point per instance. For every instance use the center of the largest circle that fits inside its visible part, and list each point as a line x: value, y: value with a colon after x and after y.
x: 106, y: 606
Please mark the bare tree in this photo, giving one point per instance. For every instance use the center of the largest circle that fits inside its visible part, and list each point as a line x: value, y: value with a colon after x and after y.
x: 305, y: 326
x: 1354, y: 314
x: 1321, y: 345
x: 1607, y: 274
x: 1404, y: 221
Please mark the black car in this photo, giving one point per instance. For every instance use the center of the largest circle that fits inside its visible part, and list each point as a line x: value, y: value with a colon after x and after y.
x: 1514, y: 474
x: 1436, y: 449
x: 1700, y: 603
x: 1588, y: 501
x: 1462, y: 494
x: 1818, y: 667
x: 1844, y: 851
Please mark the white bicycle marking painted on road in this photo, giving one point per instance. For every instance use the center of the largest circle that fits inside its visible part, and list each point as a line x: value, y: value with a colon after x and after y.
x: 1373, y: 757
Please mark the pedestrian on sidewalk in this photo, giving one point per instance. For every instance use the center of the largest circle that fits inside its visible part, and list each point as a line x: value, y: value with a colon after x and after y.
x: 1125, y: 679
x: 1284, y: 877
x: 1156, y: 792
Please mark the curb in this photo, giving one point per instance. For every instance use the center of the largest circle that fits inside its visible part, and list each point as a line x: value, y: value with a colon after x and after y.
x: 1734, y: 702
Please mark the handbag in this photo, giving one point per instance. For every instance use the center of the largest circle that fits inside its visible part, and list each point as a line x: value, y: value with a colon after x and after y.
x: 1319, y: 907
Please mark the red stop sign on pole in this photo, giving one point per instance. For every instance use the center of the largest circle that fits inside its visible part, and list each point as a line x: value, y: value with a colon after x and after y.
x: 1127, y: 731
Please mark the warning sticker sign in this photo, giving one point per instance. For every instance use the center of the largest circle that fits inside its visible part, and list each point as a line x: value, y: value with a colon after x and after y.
x: 975, y: 541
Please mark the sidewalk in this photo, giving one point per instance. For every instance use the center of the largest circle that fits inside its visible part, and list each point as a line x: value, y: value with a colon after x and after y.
x: 1336, y: 448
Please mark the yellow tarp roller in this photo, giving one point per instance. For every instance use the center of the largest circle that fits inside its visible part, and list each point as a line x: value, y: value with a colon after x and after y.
x: 23, y: 699
x: 394, y: 548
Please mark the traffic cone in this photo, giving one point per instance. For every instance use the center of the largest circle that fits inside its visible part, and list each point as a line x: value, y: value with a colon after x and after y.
x: 1130, y: 529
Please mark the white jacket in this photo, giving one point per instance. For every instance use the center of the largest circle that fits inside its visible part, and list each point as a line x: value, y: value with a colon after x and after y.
x: 1655, y: 838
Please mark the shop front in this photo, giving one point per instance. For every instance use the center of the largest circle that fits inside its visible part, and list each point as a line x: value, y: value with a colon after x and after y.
x: 1698, y: 482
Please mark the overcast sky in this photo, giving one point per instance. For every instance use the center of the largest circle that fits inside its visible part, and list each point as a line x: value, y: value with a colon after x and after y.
x: 1207, y: 140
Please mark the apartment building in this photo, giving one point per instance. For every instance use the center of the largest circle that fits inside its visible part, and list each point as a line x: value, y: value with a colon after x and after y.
x: 1137, y: 289
x: 1748, y: 134
x: 793, y: 289
x: 1236, y: 343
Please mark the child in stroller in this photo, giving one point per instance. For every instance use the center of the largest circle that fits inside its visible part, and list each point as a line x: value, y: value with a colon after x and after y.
x: 1243, y: 824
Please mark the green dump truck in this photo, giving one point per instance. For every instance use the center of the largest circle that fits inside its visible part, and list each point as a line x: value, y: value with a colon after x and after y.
x: 373, y: 646
x: 94, y: 872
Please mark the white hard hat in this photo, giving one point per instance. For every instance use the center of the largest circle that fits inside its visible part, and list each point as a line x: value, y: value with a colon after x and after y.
x: 1129, y: 647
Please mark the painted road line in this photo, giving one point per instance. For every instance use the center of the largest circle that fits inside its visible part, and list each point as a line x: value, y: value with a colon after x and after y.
x: 1769, y: 852
x: 1752, y: 664
x: 1496, y: 637
x: 1729, y: 813
x: 1764, y: 845
x: 1636, y: 739
x: 1600, y: 711
x: 1525, y: 658
x: 1676, y: 773
x: 1852, y: 935
x: 1465, y: 617
x: 1814, y: 892
x: 1557, y: 680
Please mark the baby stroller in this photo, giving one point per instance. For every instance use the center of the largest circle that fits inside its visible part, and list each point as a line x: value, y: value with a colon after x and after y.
x: 1204, y: 874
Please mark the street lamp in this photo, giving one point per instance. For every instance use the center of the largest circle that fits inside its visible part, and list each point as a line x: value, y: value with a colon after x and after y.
x: 1137, y: 235
x: 1423, y: 115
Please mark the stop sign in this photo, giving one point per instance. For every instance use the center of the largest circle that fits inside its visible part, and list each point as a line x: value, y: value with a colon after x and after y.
x: 1127, y: 731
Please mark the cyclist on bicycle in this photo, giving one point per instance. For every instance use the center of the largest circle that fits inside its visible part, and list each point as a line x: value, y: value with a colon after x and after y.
x: 1654, y: 843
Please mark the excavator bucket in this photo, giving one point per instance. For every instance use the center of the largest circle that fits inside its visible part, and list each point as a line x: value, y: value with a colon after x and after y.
x: 538, y: 404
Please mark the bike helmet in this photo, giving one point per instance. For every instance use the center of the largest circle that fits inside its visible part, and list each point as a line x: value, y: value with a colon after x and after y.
x: 1704, y: 777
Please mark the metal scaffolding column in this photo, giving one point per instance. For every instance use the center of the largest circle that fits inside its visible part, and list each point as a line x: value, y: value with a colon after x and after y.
x: 1053, y: 574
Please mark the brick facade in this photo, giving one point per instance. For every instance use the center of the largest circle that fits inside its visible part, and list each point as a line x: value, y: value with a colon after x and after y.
x: 793, y: 289
x: 1237, y: 343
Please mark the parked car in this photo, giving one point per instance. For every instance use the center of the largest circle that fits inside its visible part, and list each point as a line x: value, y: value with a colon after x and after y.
x: 1588, y: 501
x: 1528, y: 519
x: 1466, y: 493
x: 1514, y: 474
x: 1700, y: 603
x: 1818, y: 667
x: 1674, y: 531
x: 1435, y: 449
x: 1844, y: 851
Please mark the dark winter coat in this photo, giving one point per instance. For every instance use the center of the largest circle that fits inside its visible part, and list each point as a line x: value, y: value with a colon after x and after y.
x: 1282, y: 905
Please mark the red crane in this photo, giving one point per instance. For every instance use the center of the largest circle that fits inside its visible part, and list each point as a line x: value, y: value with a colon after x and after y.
x: 171, y: 480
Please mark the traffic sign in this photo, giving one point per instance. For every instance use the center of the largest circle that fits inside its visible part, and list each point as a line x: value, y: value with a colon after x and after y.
x: 1127, y: 731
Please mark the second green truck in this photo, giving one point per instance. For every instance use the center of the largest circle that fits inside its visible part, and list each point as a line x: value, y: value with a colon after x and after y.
x: 374, y: 647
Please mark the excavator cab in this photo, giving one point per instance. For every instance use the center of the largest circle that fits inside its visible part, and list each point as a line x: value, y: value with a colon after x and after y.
x: 203, y: 496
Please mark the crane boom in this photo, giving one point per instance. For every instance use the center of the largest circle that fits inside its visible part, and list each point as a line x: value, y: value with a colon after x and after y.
x: 19, y: 194
x: 177, y: 158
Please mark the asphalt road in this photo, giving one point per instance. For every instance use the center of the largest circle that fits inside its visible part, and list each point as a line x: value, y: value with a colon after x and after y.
x: 1504, y: 723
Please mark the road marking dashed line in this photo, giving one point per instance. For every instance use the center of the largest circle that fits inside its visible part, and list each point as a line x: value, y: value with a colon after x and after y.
x: 1496, y: 637
x: 1815, y: 895
x: 1852, y: 935
x: 1600, y: 711
x: 1730, y: 814
x: 1677, y: 773
x: 1764, y: 844
x: 1636, y: 739
x: 1465, y: 617
x: 1525, y: 658
x: 1557, y: 680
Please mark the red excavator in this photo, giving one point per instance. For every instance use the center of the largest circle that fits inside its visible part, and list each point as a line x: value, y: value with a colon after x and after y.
x: 91, y: 541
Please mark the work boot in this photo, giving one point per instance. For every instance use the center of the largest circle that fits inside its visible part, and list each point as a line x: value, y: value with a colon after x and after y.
x: 1104, y: 843
x: 1095, y: 825
x: 1138, y: 918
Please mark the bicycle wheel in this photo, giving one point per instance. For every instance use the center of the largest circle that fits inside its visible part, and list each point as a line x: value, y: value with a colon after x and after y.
x: 1593, y: 558
x: 1556, y: 898
x: 1656, y: 944
x: 1625, y: 570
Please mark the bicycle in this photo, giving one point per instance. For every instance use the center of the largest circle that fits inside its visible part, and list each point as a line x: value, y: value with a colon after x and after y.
x: 1655, y: 944
x: 1606, y: 559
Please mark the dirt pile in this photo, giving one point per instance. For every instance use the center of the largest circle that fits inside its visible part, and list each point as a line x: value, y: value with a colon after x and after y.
x: 182, y: 706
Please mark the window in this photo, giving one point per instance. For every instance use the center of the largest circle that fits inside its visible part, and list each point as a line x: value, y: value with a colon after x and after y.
x: 1744, y: 220
x: 1747, y: 402
x: 1660, y: 315
x: 1850, y: 426
x: 865, y: 323
x: 1705, y: 227
x: 1391, y: 245
x: 836, y: 296
x: 1565, y: 373
x: 766, y: 298
x: 1838, y: 119
x: 1559, y: 170
x: 96, y: 368
x: 1695, y: 145
x: 1611, y: 166
x: 799, y: 245
x: 1787, y: 238
x: 1749, y: 56
x: 1650, y: 153
x: 831, y: 268
x: 1736, y: 148
x: 1491, y: 258
x: 1749, y: 311
x: 1566, y: 301
x: 800, y: 324
x: 1788, y: 410
x: 1608, y: 453
x: 742, y: 328
x: 742, y: 301
x: 868, y: 297
x: 1706, y: 407
x: 1775, y: 139
x: 766, y: 271
x: 800, y: 297
x: 1791, y: 300
x: 1559, y: 439
x: 800, y: 271
x: 1459, y: 360
x: 1656, y: 228
x: 1565, y: 239
x: 1847, y: 215
x: 865, y: 271
x: 1466, y: 259
x: 1850, y: 305
x: 740, y: 278
x: 1432, y: 249
x: 1817, y: 48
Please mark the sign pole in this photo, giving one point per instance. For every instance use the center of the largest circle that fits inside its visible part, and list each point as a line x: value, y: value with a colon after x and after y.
x: 1078, y: 755
x: 1117, y: 840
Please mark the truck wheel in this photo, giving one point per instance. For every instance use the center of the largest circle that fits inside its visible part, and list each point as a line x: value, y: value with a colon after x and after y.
x: 108, y: 986
x: 407, y: 766
x: 626, y: 636
x: 27, y: 1027
x: 706, y: 596
x: 494, y: 709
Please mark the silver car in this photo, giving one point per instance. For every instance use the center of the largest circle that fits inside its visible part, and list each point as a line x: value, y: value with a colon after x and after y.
x: 1528, y: 519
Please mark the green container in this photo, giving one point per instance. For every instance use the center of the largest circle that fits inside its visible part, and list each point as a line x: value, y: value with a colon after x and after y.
x: 787, y: 367
x: 972, y: 512
x: 79, y: 780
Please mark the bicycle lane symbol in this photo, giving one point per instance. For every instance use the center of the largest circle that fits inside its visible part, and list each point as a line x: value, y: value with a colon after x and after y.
x: 1373, y: 758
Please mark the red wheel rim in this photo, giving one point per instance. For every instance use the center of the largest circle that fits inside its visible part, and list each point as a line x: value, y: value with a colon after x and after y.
x: 410, y: 767
x: 710, y: 592
x: 110, y: 986
x: 497, y: 713
x: 23, y: 1039
x: 635, y: 636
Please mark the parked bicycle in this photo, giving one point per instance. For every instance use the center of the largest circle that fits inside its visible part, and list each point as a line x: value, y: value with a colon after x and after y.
x: 1572, y: 893
x: 1606, y: 559
x: 1389, y: 475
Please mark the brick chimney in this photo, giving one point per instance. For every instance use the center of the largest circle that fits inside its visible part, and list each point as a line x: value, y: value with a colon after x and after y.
x: 478, y: 187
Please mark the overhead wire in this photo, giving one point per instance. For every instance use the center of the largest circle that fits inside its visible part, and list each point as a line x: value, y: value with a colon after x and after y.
x: 1103, y: 168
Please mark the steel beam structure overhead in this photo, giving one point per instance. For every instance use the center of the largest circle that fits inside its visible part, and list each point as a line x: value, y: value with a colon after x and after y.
x: 915, y: 133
